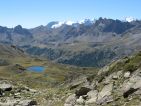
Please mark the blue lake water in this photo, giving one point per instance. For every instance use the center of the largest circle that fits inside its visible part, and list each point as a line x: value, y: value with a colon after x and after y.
x: 36, y: 68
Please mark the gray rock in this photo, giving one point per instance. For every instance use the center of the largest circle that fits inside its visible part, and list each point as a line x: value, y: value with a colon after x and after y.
x: 80, y: 101
x: 106, y: 91
x: 131, y: 86
x: 104, y: 100
x: 9, y: 102
x: 104, y: 95
x: 127, y: 74
x: 5, y: 87
x: 92, y: 97
x: 27, y: 103
x: 71, y: 100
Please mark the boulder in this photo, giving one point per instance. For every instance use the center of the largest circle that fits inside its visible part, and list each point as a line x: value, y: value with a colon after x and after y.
x: 5, y: 87
x: 127, y: 86
x: 106, y: 91
x: 92, y: 97
x: 104, y: 100
x: 71, y: 100
x: 131, y: 86
x: 127, y: 74
x: 9, y: 102
x: 27, y: 103
x: 80, y: 101
x: 103, y: 96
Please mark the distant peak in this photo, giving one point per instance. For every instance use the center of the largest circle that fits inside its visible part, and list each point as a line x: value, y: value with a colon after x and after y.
x: 86, y: 21
x: 69, y: 22
x: 56, y: 24
x: 129, y: 19
x: 18, y: 27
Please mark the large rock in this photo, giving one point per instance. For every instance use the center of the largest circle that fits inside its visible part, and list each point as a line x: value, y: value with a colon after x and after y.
x: 71, y: 100
x: 103, y: 96
x: 106, y: 91
x: 104, y: 100
x: 127, y: 74
x: 80, y: 101
x: 132, y: 85
x: 9, y: 102
x: 116, y: 75
x: 5, y: 87
x: 92, y: 97
x: 27, y: 103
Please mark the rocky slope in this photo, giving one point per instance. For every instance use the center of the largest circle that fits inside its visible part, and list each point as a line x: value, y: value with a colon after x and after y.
x: 13, y: 95
x: 11, y: 51
x: 117, y: 84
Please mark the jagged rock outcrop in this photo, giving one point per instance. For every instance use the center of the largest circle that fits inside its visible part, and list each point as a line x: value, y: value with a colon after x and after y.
x: 118, y: 84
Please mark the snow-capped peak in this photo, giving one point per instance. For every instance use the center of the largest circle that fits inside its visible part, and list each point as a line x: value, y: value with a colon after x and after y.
x: 69, y: 22
x: 129, y: 19
x: 59, y: 24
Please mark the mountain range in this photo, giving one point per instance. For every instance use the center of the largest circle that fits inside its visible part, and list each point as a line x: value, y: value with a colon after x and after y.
x: 98, y: 44
x: 87, y: 43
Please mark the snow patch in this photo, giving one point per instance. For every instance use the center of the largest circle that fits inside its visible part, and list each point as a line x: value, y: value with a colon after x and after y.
x: 129, y: 19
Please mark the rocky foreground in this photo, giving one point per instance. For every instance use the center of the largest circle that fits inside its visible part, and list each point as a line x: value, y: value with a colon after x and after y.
x: 118, y: 84
x: 11, y: 95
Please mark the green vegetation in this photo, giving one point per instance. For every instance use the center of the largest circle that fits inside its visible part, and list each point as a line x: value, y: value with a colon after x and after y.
x: 51, y: 83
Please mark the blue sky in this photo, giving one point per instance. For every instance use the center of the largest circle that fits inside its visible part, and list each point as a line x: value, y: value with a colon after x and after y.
x: 32, y: 13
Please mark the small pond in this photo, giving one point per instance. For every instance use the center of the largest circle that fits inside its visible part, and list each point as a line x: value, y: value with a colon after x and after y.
x: 36, y: 68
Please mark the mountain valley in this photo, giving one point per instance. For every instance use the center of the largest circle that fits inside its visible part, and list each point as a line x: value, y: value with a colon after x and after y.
x: 91, y: 63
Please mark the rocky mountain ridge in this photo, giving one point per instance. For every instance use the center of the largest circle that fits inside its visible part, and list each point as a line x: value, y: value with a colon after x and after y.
x: 103, y: 41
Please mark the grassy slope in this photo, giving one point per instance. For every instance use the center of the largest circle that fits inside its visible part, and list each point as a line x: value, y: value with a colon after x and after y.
x: 49, y: 82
